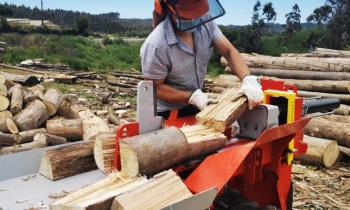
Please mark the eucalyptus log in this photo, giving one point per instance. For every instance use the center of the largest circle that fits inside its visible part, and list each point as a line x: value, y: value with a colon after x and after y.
x: 39, y: 143
x: 5, y: 114
x: 70, y: 111
x: 68, y: 161
x: 344, y: 98
x: 28, y: 136
x: 52, y: 100
x: 16, y: 99
x: 7, y: 125
x: 337, y: 118
x: 322, y: 52
x: 72, y: 129
x: 32, y: 117
x: 344, y: 151
x: 28, y: 80
x: 343, y: 110
x: 320, y: 151
x: 229, y: 108
x: 94, y: 126
x: 4, y: 103
x: 8, y: 139
x: 51, y: 140
x: 3, y: 90
x: 322, y: 128
x: 104, y: 150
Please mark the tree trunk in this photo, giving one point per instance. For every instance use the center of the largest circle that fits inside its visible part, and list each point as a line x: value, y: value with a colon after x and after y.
x: 51, y: 140
x: 104, y: 149
x: 28, y: 136
x: 16, y: 99
x: 8, y: 139
x: 71, y: 129
x: 159, y: 192
x: 222, y: 115
x: 326, y: 129
x: 32, y: 117
x: 344, y: 98
x: 94, y: 126
x: 52, y: 100
x: 343, y: 110
x: 68, y: 161
x: 40, y: 143
x: 4, y: 103
x: 320, y: 151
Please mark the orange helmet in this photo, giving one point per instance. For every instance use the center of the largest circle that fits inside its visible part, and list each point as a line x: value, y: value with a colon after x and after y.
x: 187, y: 9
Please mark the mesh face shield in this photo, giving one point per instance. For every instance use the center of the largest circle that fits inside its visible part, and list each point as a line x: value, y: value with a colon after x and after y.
x: 214, y: 10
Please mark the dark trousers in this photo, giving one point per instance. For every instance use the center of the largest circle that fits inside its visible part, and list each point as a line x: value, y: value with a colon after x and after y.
x: 183, y: 112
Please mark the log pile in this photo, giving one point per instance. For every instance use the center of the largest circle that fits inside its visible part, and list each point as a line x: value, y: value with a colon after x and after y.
x: 40, y: 64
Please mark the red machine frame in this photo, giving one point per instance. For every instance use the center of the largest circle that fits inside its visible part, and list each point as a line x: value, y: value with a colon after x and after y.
x: 258, y: 169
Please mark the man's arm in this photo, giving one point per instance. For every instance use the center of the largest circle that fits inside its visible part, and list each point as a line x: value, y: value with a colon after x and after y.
x: 170, y: 94
x: 235, y: 60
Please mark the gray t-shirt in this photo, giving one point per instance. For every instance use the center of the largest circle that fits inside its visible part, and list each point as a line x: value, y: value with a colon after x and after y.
x: 163, y: 55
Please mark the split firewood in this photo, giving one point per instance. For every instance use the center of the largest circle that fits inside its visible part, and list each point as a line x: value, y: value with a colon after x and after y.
x: 4, y: 103
x: 229, y: 108
x: 68, y: 161
x: 98, y: 196
x: 52, y: 100
x: 322, y: 128
x: 28, y: 136
x: 104, y: 149
x: 3, y: 90
x: 32, y: 117
x: 148, y: 195
x: 51, y: 140
x: 320, y: 151
x: 7, y: 125
x: 8, y: 139
x: 94, y: 126
x: 141, y: 154
x: 38, y: 143
x: 16, y: 99
x: 343, y: 110
x: 72, y: 129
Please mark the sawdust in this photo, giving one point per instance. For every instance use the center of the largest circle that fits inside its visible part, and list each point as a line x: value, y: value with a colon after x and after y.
x: 316, y: 187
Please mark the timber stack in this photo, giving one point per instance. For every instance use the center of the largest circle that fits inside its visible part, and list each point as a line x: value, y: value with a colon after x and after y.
x: 323, y: 73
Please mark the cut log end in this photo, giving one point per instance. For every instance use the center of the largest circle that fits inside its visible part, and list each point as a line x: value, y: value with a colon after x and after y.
x: 129, y: 161
x: 46, y: 168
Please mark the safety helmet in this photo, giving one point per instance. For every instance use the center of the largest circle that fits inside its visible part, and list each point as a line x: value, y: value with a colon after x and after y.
x: 189, y: 13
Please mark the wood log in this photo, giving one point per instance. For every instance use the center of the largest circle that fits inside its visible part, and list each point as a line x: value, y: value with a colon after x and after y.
x: 94, y: 126
x: 322, y: 128
x: 227, y: 81
x: 343, y: 110
x: 69, y: 111
x: 5, y: 114
x: 320, y: 151
x: 28, y: 136
x: 32, y: 117
x: 7, y: 125
x: 222, y: 115
x: 51, y: 140
x: 337, y: 118
x: 2, y: 79
x: 38, y: 143
x: 98, y: 196
x: 344, y: 151
x: 8, y: 139
x: 27, y: 80
x: 112, y: 118
x: 322, y: 52
x: 52, y: 100
x: 72, y: 129
x: 3, y: 90
x: 104, y: 149
x: 344, y: 98
x: 4, y: 103
x: 32, y: 96
x: 161, y: 191
x: 16, y: 99
x: 68, y: 161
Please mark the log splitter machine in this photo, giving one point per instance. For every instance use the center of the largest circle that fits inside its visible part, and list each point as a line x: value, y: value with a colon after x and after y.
x: 257, y: 163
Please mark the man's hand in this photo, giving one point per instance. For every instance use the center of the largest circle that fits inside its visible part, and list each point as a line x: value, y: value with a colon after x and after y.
x: 252, y: 89
x: 200, y: 99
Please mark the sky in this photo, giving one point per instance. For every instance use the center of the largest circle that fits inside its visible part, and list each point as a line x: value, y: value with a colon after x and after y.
x: 238, y: 12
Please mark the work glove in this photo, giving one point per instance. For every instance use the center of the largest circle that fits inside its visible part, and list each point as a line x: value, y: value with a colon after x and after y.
x: 200, y: 99
x: 252, y: 89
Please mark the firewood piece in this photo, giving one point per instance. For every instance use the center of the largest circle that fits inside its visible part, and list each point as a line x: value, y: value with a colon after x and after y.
x: 68, y: 161
x: 7, y: 125
x: 72, y: 129
x: 161, y: 191
x: 51, y: 140
x: 322, y: 52
x: 3, y: 90
x: 128, y: 74
x: 112, y: 118
x: 94, y: 126
x: 320, y: 151
x: 119, y: 84
x: 344, y: 151
x: 221, y: 115
x: 32, y: 117
x: 98, y: 196
x: 70, y: 111
x: 101, y: 112
x: 2, y: 79
x: 52, y: 100
x: 5, y: 114
x: 343, y: 110
x: 27, y: 80
x: 344, y: 98
x: 337, y: 118
x: 4, y: 103
x: 8, y: 139
x: 38, y: 143
x: 65, y: 79
x: 227, y: 81
x: 104, y: 149
x: 16, y: 99
x: 35, y: 94
x: 322, y: 128
x: 28, y: 136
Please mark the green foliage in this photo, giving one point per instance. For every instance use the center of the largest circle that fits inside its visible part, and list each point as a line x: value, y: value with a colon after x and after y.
x: 293, y: 20
x: 5, y: 10
x: 321, y: 15
x: 83, y: 53
x: 269, y: 12
x: 339, y: 26
x: 82, y: 24
x: 4, y: 25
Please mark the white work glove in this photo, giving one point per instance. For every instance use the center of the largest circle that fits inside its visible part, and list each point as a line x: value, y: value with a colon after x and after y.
x: 252, y: 89
x: 199, y: 99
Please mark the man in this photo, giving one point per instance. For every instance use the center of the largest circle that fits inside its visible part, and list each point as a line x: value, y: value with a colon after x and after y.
x: 176, y: 55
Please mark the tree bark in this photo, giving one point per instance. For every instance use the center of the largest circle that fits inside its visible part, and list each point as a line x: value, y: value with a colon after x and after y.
x: 322, y: 128
x: 28, y: 136
x: 320, y: 151
x: 16, y: 99
x: 51, y: 140
x: 4, y: 103
x: 71, y: 129
x: 32, y: 117
x: 104, y: 149
x: 68, y: 161
x: 52, y: 100
x: 343, y: 110
x: 24, y: 147
x: 8, y: 139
